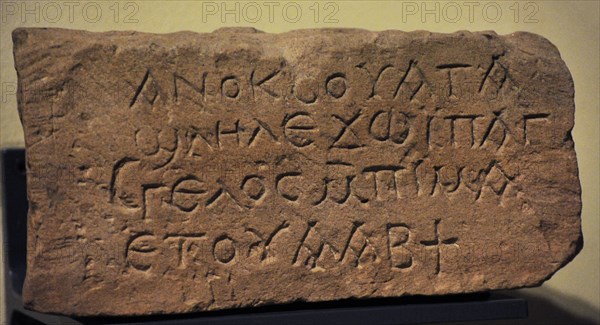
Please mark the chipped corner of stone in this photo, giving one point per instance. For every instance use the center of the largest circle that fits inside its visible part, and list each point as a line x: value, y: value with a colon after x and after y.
x: 533, y: 43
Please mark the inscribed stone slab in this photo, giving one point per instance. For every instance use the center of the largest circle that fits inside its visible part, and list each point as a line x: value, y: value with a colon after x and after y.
x: 187, y: 172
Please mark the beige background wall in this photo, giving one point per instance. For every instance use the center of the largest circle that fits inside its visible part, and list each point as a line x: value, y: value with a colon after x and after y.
x: 573, y: 294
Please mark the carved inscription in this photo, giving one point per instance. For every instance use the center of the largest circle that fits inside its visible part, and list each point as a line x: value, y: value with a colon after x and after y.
x: 343, y: 180
x: 311, y: 250
x: 301, y: 132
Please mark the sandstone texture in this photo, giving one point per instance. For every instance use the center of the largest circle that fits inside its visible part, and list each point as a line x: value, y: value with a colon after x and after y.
x: 189, y: 172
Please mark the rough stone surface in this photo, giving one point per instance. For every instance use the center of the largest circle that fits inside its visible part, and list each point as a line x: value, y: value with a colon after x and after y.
x: 188, y: 172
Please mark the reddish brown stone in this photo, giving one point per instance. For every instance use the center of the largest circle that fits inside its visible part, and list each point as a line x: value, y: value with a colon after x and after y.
x: 187, y: 172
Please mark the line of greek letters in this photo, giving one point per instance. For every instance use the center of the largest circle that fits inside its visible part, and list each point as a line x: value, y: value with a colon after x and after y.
x: 343, y: 183
x: 311, y: 250
x: 374, y: 183
x: 301, y: 129
x: 409, y: 81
